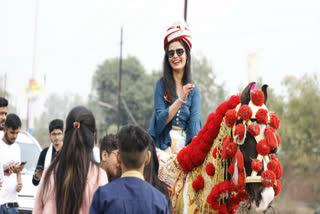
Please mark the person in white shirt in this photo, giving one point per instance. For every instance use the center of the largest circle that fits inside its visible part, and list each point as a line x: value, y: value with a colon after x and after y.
x: 10, y: 152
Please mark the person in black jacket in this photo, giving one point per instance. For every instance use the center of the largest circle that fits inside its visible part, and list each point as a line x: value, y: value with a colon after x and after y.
x: 49, y: 153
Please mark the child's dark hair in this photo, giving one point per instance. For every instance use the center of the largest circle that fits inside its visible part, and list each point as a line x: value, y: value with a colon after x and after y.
x: 13, y: 121
x: 56, y: 124
x: 109, y: 143
x: 3, y: 102
x: 133, y: 146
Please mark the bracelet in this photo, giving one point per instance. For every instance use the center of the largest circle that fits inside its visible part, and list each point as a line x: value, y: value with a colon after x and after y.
x: 182, y: 100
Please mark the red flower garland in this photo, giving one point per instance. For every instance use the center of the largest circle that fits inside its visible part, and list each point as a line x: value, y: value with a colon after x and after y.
x: 231, y: 117
x: 254, y: 129
x: 268, y: 178
x: 207, y: 135
x: 244, y: 113
x: 274, y: 121
x: 210, y: 169
x: 263, y: 148
x: 262, y: 116
x: 198, y: 183
x: 256, y: 165
x: 257, y: 97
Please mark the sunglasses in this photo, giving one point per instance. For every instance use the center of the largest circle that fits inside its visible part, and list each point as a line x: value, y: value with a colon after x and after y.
x: 179, y: 52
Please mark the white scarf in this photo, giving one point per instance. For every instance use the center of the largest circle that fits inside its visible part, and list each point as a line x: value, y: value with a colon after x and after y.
x: 47, y: 161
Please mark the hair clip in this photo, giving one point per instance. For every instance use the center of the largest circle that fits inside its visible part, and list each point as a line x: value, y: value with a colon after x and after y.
x: 76, y: 125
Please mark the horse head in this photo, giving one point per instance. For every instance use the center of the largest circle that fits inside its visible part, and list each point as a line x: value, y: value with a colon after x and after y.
x: 258, y: 146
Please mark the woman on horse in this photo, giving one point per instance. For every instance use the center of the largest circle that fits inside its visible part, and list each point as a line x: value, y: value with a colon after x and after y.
x: 176, y: 117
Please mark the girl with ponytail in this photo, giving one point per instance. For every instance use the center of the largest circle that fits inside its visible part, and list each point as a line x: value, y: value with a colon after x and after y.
x: 73, y: 177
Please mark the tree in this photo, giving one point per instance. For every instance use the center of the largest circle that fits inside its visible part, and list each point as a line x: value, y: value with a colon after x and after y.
x: 57, y: 107
x: 212, y: 93
x: 136, y: 91
x: 300, y: 123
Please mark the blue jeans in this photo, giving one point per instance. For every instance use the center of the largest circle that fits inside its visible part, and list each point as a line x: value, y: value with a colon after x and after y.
x: 5, y: 210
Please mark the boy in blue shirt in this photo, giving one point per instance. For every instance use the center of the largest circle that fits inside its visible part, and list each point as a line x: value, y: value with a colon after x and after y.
x: 130, y: 193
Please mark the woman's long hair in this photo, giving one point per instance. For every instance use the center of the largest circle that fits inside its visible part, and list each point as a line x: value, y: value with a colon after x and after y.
x: 150, y: 174
x: 71, y: 165
x: 167, y: 77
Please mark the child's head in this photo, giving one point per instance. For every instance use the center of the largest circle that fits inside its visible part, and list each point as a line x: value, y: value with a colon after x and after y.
x: 133, y: 147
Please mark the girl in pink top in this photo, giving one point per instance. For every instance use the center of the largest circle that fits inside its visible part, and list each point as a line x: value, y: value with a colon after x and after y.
x: 73, y: 177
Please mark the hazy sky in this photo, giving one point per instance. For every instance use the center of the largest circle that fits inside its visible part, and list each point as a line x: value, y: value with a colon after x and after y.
x: 75, y: 36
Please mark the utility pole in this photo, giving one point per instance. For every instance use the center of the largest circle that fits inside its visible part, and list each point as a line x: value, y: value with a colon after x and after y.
x: 185, y: 10
x: 120, y: 74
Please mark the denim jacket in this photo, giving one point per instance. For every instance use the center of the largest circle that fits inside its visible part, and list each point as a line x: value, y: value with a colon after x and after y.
x: 188, y: 116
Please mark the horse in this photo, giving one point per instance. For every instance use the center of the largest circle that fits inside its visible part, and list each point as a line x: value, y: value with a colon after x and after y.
x: 231, y: 160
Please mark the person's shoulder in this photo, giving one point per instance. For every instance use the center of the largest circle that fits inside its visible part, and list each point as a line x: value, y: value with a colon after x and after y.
x: 44, y: 151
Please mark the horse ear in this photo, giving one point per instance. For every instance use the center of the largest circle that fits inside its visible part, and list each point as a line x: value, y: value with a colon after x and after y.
x: 264, y: 89
x: 245, y: 95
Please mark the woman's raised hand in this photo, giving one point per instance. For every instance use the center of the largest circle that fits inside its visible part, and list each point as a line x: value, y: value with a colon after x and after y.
x: 186, y: 90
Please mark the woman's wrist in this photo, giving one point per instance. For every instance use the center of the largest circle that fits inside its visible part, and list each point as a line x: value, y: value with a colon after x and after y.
x: 183, y: 101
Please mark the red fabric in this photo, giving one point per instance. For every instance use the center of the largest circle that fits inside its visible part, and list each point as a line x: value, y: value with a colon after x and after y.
x: 262, y: 116
x: 268, y: 178
x: 214, y: 153
x: 254, y: 129
x: 239, y: 132
x: 256, y: 165
x: 231, y: 117
x: 244, y: 113
x: 257, y: 97
x: 274, y: 121
x: 270, y: 137
x: 198, y: 183
x: 210, y: 169
x: 263, y: 148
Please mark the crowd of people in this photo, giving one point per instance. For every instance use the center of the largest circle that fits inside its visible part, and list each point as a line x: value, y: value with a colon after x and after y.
x: 71, y: 180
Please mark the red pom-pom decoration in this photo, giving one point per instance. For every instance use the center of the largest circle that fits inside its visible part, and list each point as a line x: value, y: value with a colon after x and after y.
x: 231, y: 117
x: 254, y: 129
x: 275, y: 166
x: 262, y: 116
x: 239, y: 132
x: 257, y: 97
x: 263, y: 148
x: 223, y: 209
x: 229, y: 149
x: 256, y: 165
x: 231, y: 168
x: 244, y: 113
x: 210, y: 169
x: 274, y: 121
x: 277, y: 188
x: 198, y: 183
x: 270, y: 137
x: 268, y: 178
